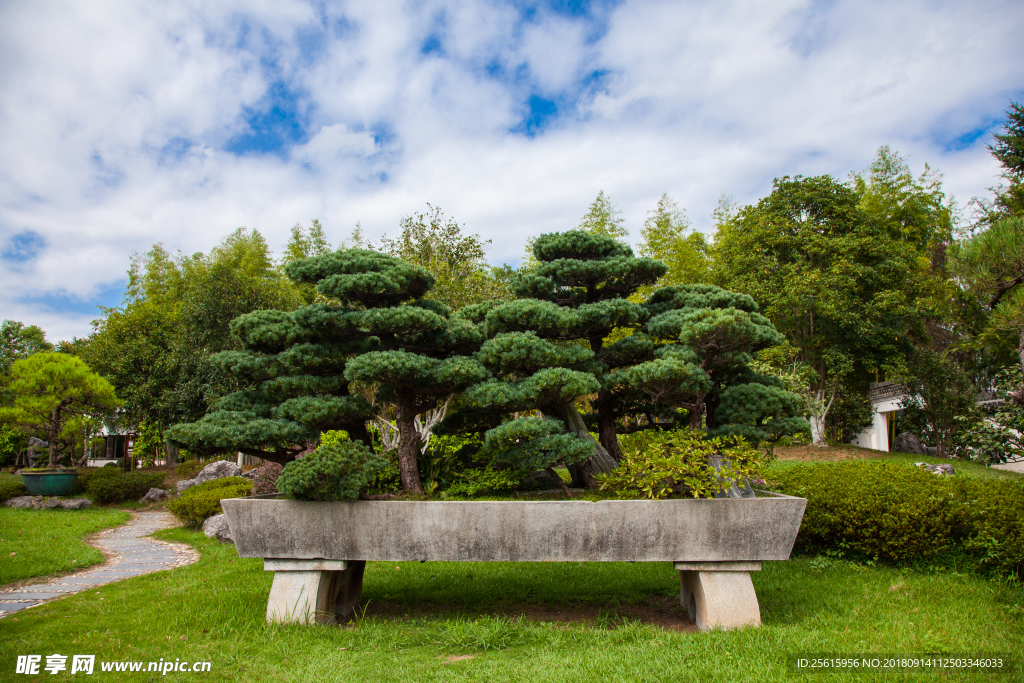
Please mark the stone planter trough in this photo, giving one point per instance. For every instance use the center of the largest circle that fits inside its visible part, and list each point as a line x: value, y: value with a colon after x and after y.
x: 318, y: 550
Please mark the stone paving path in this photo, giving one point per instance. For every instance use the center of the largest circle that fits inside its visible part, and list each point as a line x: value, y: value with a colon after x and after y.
x: 136, y: 555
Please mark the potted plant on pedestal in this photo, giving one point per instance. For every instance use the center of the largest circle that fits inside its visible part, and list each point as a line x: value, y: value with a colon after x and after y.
x: 53, y: 394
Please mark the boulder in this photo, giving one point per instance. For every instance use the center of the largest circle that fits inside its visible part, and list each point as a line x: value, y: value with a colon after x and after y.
x: 40, y: 503
x: 218, y: 470
x: 76, y: 503
x: 906, y: 442
x: 155, y: 495
x: 941, y: 469
x: 215, y: 470
x: 217, y: 527
x: 23, y: 502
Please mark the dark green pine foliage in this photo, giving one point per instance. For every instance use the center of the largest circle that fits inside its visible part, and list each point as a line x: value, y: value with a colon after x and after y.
x: 694, y: 352
x: 298, y: 367
x: 293, y: 388
x: 579, y: 291
x: 422, y: 352
x: 531, y: 373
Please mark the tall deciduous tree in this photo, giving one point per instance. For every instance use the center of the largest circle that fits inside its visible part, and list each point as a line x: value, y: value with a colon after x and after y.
x: 830, y: 277
x: 18, y: 341
x: 52, y: 393
x: 668, y: 237
x: 155, y: 348
x: 604, y: 219
x: 436, y: 242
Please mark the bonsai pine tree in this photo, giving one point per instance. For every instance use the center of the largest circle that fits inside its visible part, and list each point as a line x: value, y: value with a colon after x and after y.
x: 532, y: 374
x: 298, y: 367
x: 53, y: 393
x: 586, y: 280
x: 694, y: 352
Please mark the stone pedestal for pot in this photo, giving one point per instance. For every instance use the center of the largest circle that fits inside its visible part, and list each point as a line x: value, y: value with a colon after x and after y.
x: 318, y: 550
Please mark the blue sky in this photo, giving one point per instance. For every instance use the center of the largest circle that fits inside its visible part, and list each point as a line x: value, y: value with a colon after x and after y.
x: 123, y: 124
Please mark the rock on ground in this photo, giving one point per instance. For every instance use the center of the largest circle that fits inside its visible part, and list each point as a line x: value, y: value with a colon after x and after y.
x: 215, y: 470
x: 40, y: 503
x: 905, y: 442
x: 155, y: 495
x: 940, y: 469
x: 217, y: 527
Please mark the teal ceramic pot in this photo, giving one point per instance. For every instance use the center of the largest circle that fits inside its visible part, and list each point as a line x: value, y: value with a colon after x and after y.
x: 49, y: 483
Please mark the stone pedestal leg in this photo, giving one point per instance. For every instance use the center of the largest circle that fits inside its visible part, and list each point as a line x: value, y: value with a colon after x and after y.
x: 719, y: 594
x: 314, y: 591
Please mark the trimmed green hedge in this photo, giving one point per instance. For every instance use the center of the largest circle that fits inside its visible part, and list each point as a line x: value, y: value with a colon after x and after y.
x: 201, y: 501
x: 11, y: 488
x: 111, y: 486
x: 893, y: 512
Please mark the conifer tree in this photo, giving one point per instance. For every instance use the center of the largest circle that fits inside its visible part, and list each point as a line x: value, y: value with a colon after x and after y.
x: 585, y: 280
x: 300, y: 366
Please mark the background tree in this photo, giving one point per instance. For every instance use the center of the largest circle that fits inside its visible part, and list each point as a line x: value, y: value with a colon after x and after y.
x: 830, y: 277
x: 18, y: 341
x: 52, y: 393
x: 156, y: 347
x: 1008, y: 148
x: 668, y: 237
x: 457, y: 261
x: 992, y: 264
x: 941, y: 400
x: 604, y: 219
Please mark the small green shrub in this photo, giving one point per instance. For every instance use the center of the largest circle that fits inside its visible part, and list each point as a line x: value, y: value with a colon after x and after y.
x: 331, y: 472
x: 900, y: 513
x: 11, y: 488
x: 487, y: 480
x: 86, y: 475
x: 119, y: 487
x: 201, y: 501
x: 659, y: 464
x: 189, y: 469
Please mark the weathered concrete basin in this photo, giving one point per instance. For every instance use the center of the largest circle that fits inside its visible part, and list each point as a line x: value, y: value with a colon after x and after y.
x: 319, y: 549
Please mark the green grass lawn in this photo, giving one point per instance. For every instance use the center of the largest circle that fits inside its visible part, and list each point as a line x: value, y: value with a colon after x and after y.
x: 440, y: 621
x: 44, y: 542
x: 965, y: 467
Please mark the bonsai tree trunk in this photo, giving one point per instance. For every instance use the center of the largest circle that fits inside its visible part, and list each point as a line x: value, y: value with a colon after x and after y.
x: 606, y: 426
x: 408, y: 445
x: 357, y: 432
x: 601, y: 461
x: 53, y: 429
